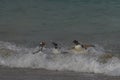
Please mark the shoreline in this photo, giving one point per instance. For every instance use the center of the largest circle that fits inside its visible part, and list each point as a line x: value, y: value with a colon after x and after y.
x: 42, y: 74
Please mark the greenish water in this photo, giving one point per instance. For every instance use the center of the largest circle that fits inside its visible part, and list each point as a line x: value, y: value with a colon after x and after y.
x: 26, y: 22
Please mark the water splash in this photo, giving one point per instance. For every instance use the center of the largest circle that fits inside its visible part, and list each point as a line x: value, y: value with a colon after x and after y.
x: 23, y: 57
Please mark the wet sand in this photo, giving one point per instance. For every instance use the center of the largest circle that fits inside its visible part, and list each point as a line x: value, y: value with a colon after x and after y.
x: 41, y: 74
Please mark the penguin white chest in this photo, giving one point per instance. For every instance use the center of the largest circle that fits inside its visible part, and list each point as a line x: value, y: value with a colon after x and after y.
x: 78, y: 47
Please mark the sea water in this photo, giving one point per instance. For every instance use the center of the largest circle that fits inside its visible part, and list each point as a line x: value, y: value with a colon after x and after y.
x: 24, y: 23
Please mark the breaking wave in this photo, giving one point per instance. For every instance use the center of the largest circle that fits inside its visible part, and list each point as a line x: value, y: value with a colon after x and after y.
x: 93, y: 61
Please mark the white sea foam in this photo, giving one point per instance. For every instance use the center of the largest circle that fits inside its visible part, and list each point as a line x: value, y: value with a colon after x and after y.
x: 24, y: 57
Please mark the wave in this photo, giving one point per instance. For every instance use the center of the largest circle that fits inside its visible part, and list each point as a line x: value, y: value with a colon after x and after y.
x: 22, y: 57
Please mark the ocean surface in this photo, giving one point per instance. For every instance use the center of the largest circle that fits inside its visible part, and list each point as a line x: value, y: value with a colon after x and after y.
x: 24, y: 23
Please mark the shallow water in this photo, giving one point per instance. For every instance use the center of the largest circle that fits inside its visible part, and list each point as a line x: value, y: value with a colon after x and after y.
x: 41, y: 74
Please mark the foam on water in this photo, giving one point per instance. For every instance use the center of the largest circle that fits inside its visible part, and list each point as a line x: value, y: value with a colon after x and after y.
x: 15, y: 56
